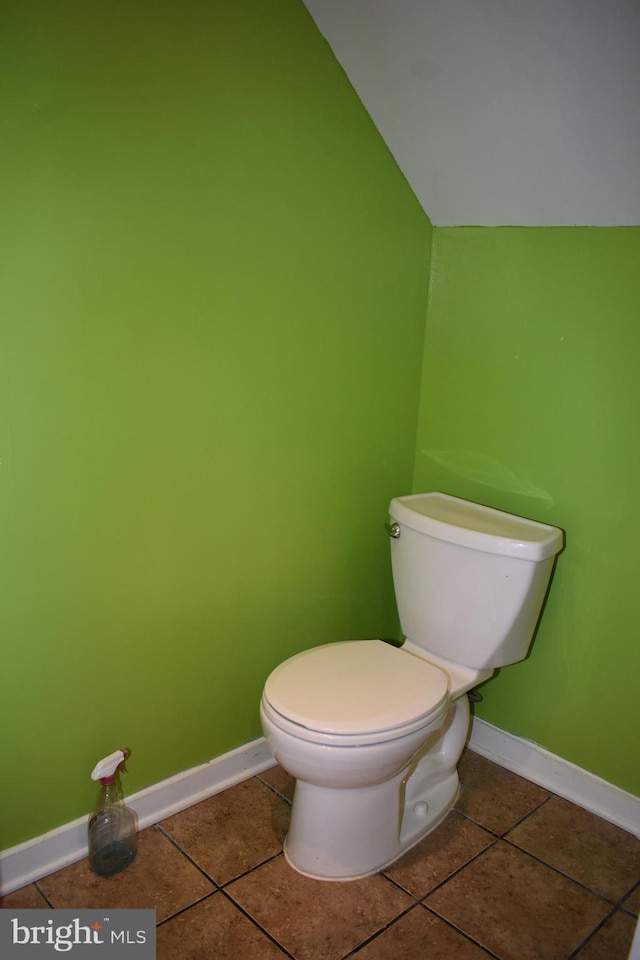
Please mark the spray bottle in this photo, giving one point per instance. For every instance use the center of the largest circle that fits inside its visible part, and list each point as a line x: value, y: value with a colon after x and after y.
x: 112, y: 826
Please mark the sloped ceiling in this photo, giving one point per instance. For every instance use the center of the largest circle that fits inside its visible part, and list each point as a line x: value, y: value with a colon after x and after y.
x: 501, y: 111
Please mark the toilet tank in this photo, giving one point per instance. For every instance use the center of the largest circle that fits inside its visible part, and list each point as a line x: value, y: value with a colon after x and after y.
x: 469, y: 580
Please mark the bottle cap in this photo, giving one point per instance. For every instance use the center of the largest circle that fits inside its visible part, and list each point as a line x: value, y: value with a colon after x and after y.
x: 105, y: 769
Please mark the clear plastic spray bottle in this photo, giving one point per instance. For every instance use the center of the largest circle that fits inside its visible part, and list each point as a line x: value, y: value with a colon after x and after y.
x: 113, y: 841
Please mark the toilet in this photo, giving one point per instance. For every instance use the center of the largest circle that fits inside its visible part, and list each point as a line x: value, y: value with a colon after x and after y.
x: 373, y: 732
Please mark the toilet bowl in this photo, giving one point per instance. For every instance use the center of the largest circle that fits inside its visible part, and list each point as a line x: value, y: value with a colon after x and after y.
x: 373, y: 732
x: 348, y: 721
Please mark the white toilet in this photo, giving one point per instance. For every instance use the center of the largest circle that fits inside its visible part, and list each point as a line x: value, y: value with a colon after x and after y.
x: 373, y: 732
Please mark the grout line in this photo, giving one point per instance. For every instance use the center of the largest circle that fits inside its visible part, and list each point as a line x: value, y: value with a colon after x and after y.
x: 505, y: 839
x: 567, y: 876
x: 194, y: 863
x: 531, y: 812
x: 464, y: 933
x: 496, y: 836
x: 613, y: 906
x: 255, y: 923
x: 159, y: 829
x: 629, y: 892
x: 415, y: 906
x: 273, y: 790
x: 504, y: 836
x: 399, y: 886
x: 593, y: 932
x: 246, y: 873
x: 382, y: 930
x: 512, y: 826
x: 43, y: 894
x: 494, y: 833
x: 455, y: 873
x: 421, y: 900
x: 182, y: 910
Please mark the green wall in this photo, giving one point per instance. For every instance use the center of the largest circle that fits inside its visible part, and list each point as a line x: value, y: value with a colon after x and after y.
x: 214, y: 293
x: 214, y: 290
x: 530, y: 403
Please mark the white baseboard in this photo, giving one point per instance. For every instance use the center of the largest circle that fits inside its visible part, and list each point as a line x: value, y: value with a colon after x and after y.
x: 557, y: 775
x: 43, y: 855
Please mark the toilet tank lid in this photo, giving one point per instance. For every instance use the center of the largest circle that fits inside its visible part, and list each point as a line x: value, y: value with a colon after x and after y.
x: 477, y: 527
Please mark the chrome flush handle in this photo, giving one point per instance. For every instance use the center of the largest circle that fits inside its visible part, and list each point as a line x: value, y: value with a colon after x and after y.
x: 393, y: 529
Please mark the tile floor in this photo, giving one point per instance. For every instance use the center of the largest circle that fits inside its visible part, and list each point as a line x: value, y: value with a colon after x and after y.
x: 513, y: 873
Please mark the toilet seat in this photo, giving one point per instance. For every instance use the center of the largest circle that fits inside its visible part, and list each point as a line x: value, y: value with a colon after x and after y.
x: 365, y: 690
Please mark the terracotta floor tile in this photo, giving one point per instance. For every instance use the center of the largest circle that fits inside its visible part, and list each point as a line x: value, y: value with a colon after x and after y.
x: 420, y: 935
x: 315, y: 919
x: 517, y: 907
x: 280, y: 780
x: 612, y: 942
x: 595, y: 852
x: 26, y: 898
x: 455, y: 842
x: 505, y: 894
x: 493, y: 796
x: 233, y: 831
x: 160, y: 877
x: 214, y: 929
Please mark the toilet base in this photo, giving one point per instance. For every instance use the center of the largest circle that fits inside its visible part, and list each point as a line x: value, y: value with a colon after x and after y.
x: 338, y: 834
x: 307, y: 861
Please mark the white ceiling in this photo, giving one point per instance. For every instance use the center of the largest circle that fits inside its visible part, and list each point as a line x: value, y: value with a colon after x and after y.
x: 501, y: 111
